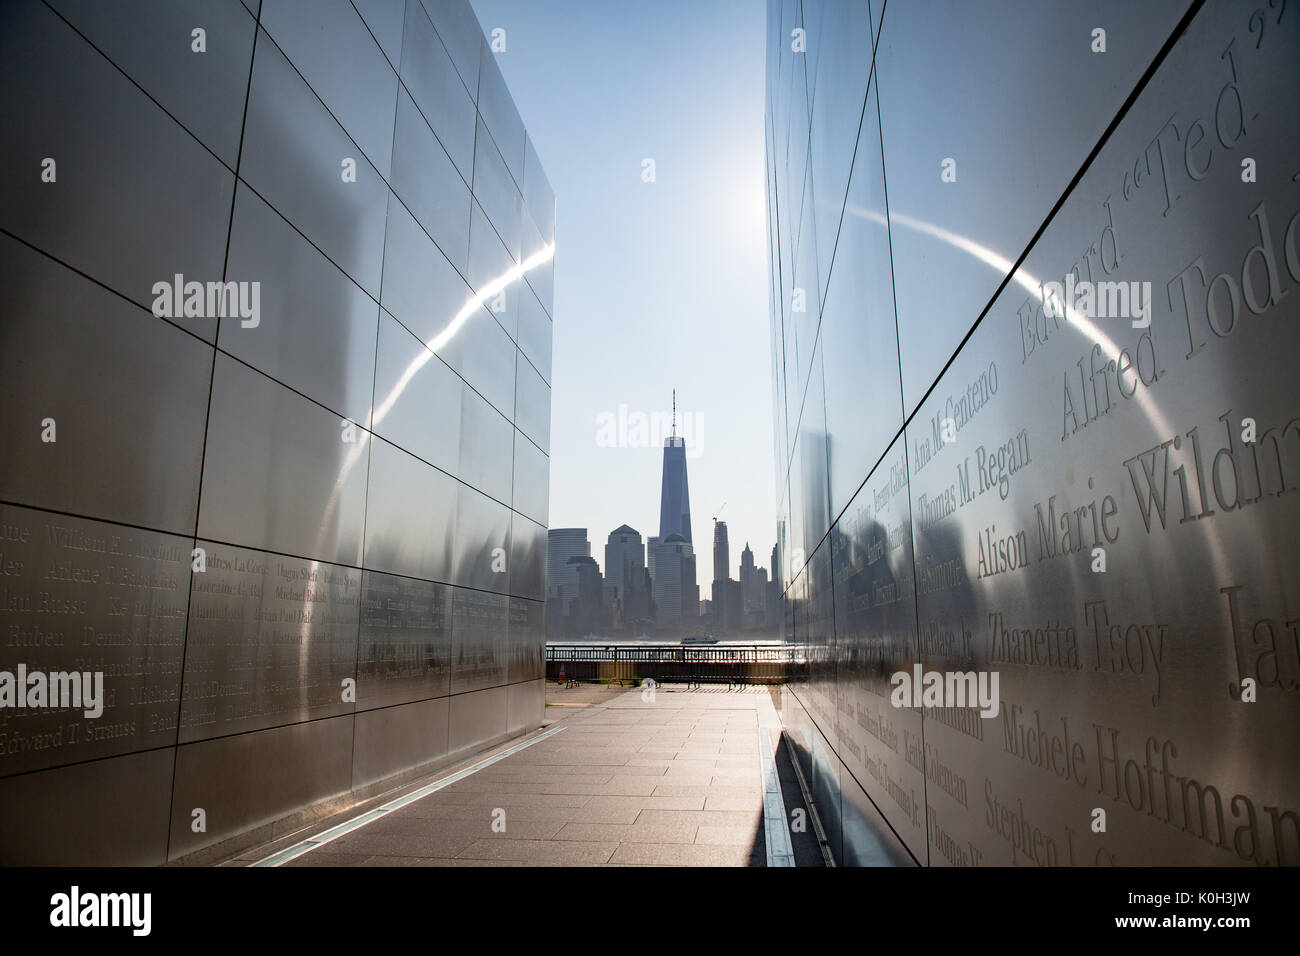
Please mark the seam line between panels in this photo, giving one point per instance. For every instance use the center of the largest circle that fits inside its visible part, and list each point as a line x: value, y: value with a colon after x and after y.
x: 907, y: 460
x: 370, y: 419
x: 386, y: 180
x: 281, y: 554
x: 203, y: 450
x: 1068, y: 190
x: 242, y: 733
x: 1138, y: 88
x: 130, y: 79
x: 857, y: 783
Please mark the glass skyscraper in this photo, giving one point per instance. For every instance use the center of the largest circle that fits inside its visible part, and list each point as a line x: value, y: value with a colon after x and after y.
x: 1034, y: 274
x: 674, y: 498
x: 275, y: 370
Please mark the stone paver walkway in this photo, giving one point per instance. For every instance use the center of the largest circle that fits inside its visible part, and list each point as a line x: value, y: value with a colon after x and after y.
x: 668, y: 781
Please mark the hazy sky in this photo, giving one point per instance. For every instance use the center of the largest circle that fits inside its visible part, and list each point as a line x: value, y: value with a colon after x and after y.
x: 657, y: 284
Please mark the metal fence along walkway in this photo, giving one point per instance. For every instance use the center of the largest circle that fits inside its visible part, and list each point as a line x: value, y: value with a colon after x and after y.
x: 684, y: 663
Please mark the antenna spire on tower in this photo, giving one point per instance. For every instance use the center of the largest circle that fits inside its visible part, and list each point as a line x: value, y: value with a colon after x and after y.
x: 674, y: 413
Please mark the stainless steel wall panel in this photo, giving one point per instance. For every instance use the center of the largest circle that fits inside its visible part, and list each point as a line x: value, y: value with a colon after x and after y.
x: 827, y: 785
x: 152, y: 43
x: 875, y: 637
x: 540, y: 277
x: 1097, y: 493
x: 498, y: 111
x: 233, y: 517
x: 527, y: 558
x: 438, y: 90
x: 99, y: 600
x: 247, y: 780
x: 330, y: 45
x: 538, y: 195
x: 532, y: 480
x: 1044, y: 112
x: 271, y: 641
x: 393, y: 739
x: 1105, y: 435
x: 293, y: 155
x: 136, y: 199
x: 866, y: 838
x: 385, y: 18
x: 809, y: 463
x: 483, y: 354
x: 532, y: 403
x: 533, y: 252
x: 527, y: 641
x: 839, y: 56
x: 491, y: 267
x: 417, y: 398
x: 410, y: 515
x: 482, y: 541
x: 405, y: 646
x: 486, y: 447
x: 153, y: 448
x: 480, y: 632
x: 535, y: 332
x: 476, y: 717
x: 806, y: 299
x: 316, y: 329
x: 422, y: 289
x: 428, y: 183
x: 525, y: 706
x: 858, y: 333
x: 461, y: 34
x: 497, y: 191
x: 60, y: 827
x: 281, y: 473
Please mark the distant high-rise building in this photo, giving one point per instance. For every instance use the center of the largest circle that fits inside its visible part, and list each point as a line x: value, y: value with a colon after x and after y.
x: 751, y: 593
x: 721, y: 551
x: 723, y: 619
x: 674, y: 500
x: 562, y: 578
x: 733, y: 604
x: 677, y: 596
x: 625, y: 570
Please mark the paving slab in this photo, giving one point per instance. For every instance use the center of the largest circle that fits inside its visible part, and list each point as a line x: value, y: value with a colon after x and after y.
x: 631, y: 780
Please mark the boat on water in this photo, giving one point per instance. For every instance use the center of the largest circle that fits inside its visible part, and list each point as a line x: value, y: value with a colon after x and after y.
x: 700, y: 639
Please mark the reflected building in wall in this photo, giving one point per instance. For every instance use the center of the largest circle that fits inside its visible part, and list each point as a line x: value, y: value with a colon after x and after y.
x: 339, y: 475
x: 1011, y: 403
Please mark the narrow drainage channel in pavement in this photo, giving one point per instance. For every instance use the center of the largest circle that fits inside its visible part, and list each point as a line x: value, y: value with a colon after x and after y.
x: 805, y: 839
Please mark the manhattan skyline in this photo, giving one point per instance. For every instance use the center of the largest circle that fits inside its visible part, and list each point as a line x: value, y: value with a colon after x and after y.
x: 662, y: 285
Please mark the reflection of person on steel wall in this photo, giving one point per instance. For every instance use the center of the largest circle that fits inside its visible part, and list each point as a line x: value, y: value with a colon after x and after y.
x: 868, y: 604
x: 945, y: 598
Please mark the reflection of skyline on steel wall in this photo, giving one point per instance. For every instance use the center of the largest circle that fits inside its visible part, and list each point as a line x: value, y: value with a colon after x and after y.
x: 397, y: 222
x: 969, y: 545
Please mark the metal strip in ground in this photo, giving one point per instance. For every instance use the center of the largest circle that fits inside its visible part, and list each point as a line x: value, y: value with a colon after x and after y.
x: 780, y: 852
x: 812, y: 812
x: 346, y: 827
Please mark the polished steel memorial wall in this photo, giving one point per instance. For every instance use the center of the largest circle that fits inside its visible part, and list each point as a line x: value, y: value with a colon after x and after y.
x: 981, y: 470
x: 300, y: 535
